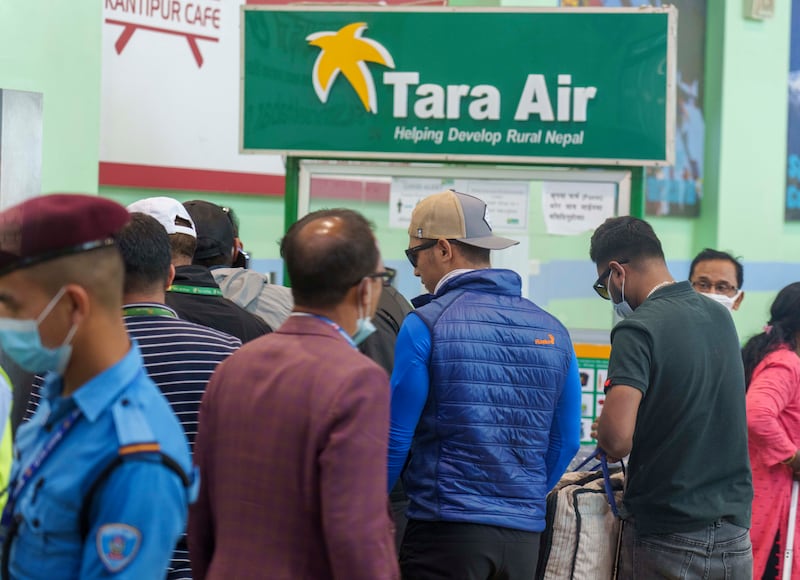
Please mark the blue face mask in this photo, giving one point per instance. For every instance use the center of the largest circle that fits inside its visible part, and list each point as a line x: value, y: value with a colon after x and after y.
x: 21, y: 341
x: 364, y: 325
x: 364, y: 328
x: 622, y: 309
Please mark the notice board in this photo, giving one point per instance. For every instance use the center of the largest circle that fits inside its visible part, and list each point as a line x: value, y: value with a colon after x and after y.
x: 593, y: 368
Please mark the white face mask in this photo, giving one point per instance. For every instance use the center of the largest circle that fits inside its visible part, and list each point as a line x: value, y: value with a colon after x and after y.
x: 726, y: 301
x: 622, y: 309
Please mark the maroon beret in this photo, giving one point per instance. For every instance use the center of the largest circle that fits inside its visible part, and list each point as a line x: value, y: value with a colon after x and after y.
x: 50, y: 226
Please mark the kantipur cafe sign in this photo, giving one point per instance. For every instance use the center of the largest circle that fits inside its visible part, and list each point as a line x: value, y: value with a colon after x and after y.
x: 521, y: 86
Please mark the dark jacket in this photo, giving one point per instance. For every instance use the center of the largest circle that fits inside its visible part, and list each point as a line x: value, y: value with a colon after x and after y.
x: 204, y: 304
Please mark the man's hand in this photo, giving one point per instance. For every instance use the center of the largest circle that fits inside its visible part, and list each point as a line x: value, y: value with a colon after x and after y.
x: 608, y: 457
x: 616, y: 425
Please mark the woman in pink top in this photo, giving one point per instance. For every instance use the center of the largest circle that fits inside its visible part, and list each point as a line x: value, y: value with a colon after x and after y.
x: 772, y: 371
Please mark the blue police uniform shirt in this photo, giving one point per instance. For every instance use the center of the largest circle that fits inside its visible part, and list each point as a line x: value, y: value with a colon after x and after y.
x: 137, y: 514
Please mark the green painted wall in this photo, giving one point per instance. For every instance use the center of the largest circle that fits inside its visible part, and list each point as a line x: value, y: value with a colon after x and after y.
x: 753, y: 151
x: 53, y: 47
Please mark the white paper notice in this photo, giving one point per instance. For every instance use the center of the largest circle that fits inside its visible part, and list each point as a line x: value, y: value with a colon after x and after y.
x: 405, y: 194
x: 506, y: 200
x: 574, y: 207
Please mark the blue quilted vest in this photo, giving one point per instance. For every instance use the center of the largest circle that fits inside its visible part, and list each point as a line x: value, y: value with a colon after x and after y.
x: 498, y: 364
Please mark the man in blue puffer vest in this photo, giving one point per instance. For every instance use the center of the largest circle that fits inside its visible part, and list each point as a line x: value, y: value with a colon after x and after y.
x: 485, y: 403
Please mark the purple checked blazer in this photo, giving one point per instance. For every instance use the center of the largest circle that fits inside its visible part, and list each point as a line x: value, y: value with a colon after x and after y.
x: 292, y: 453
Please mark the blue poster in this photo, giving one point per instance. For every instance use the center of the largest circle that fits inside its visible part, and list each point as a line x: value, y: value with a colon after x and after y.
x: 793, y: 139
x: 678, y: 189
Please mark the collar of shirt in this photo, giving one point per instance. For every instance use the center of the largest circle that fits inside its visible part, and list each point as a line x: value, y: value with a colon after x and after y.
x: 450, y: 275
x: 327, y: 321
x: 155, y: 305
x: 194, y: 276
x: 97, y: 394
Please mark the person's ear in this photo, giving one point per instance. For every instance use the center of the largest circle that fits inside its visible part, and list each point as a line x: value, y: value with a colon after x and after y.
x: 445, y: 248
x: 81, y: 303
x: 616, y: 268
x: 364, y: 294
x: 738, y: 301
x: 170, y: 276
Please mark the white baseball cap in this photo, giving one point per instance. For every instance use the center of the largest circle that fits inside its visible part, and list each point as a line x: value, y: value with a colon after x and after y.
x: 167, y: 211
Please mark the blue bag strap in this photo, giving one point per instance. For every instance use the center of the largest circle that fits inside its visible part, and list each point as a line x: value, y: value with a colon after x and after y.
x: 607, y: 483
x: 592, y: 456
x: 600, y: 455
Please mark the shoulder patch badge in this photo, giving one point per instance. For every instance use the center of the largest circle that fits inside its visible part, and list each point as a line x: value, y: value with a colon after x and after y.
x: 549, y: 340
x: 117, y: 545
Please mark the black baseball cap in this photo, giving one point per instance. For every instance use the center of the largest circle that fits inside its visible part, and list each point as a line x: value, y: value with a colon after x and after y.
x: 214, y: 229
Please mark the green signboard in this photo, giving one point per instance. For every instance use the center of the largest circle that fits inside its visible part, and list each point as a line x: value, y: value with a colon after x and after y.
x: 507, y: 85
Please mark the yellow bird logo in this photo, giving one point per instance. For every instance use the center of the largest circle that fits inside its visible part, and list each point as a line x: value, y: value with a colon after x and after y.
x: 346, y: 52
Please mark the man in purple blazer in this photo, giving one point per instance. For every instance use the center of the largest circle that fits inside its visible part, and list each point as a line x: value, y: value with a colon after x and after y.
x: 293, y: 427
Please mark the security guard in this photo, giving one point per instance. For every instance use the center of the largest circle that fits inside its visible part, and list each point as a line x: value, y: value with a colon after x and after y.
x: 102, y: 476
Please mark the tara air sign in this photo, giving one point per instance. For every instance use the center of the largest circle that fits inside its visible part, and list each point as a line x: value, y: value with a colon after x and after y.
x: 515, y: 85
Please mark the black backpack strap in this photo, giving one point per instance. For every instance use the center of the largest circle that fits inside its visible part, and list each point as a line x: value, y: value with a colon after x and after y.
x: 135, y: 452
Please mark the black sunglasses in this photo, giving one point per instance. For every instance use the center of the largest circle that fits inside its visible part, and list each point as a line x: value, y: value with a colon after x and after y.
x: 600, y: 286
x: 387, y: 276
x: 411, y: 253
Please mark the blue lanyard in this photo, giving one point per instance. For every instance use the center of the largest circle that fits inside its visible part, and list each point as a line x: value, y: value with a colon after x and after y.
x: 331, y: 323
x: 33, y: 467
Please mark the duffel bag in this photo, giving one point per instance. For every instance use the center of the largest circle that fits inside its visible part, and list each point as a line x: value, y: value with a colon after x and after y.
x: 583, y: 529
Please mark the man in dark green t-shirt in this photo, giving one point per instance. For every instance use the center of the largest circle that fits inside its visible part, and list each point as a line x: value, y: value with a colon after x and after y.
x: 675, y: 401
